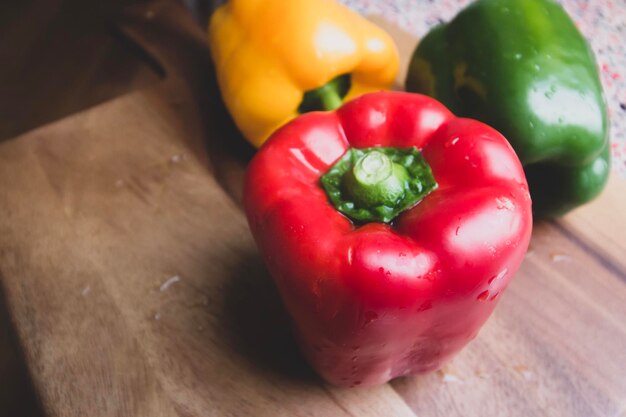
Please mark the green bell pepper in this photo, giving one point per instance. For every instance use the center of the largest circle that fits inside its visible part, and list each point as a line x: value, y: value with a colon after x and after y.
x: 523, y: 67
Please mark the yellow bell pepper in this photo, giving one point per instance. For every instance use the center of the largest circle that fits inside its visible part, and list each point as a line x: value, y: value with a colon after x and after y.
x: 275, y: 59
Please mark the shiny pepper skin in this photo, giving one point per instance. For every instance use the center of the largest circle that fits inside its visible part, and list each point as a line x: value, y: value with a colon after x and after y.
x: 523, y: 67
x: 375, y: 301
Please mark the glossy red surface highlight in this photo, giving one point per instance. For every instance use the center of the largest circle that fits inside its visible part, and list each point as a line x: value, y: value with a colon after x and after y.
x: 373, y: 302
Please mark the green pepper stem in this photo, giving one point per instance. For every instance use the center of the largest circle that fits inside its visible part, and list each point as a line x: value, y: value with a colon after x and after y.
x: 377, y: 184
x: 372, y: 168
x: 375, y: 179
x: 330, y: 98
x: 327, y: 97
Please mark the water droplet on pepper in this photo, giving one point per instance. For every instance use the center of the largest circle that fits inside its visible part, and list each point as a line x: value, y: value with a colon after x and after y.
x: 483, y: 296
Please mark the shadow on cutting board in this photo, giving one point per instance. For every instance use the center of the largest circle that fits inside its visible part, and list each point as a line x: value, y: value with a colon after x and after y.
x: 257, y: 326
x: 168, y: 33
x: 17, y: 397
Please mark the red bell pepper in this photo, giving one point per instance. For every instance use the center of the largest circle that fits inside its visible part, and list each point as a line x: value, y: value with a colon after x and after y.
x: 389, y: 260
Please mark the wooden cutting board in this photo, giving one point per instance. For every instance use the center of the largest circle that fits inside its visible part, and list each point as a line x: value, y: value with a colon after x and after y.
x: 136, y: 290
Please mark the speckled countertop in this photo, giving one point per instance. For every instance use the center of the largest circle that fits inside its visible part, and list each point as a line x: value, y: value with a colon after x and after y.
x: 603, y: 22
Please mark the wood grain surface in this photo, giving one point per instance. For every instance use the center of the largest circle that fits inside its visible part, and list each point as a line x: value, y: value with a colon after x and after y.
x: 136, y: 290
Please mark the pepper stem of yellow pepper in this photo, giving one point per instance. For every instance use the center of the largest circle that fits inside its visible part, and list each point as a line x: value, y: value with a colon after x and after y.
x: 327, y: 97
x: 330, y: 99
